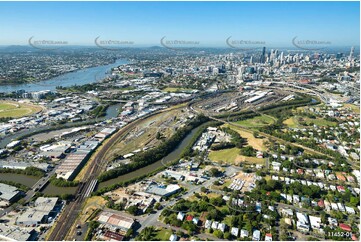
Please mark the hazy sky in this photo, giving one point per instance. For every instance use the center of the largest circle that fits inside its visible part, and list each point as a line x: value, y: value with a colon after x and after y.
x: 210, y: 23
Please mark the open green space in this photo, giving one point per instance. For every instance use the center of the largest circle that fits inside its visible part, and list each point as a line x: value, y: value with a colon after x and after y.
x: 226, y: 155
x: 6, y: 106
x: 353, y: 107
x: 257, y: 121
x: 175, y: 89
x: 291, y: 122
x: 233, y: 156
x: 297, y: 121
x: 10, y: 109
x: 163, y: 234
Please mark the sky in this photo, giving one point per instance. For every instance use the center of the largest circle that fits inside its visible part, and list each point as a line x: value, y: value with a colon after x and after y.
x: 209, y: 23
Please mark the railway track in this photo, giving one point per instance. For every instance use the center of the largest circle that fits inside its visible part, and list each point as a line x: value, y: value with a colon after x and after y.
x: 71, y: 212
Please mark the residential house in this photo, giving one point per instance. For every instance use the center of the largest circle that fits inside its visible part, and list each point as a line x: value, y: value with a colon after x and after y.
x: 215, y: 225
x: 208, y: 224
x: 350, y: 210
x: 234, y: 231
x: 222, y: 227
x: 345, y: 227
x: 173, y: 237
x: 244, y: 233
x: 256, y: 236
x: 181, y: 216
x: 268, y: 237
x: 302, y: 222
x: 315, y: 222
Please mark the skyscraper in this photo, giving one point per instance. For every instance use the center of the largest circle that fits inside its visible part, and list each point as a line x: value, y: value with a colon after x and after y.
x: 263, y: 56
x: 351, y: 53
x: 281, y: 57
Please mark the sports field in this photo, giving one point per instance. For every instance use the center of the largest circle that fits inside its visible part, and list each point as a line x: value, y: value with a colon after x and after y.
x: 11, y: 109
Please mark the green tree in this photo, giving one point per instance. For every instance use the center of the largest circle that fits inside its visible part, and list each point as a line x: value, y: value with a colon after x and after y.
x: 227, y: 235
x: 157, y: 206
x: 248, y: 151
x: 133, y: 210
x: 214, y: 172
x: 218, y: 234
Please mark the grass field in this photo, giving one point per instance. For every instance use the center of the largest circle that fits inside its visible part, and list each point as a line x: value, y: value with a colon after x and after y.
x: 256, y: 143
x: 227, y: 155
x: 175, y: 89
x: 163, y: 234
x: 321, y: 122
x: 291, y: 122
x: 294, y: 122
x: 10, y: 109
x: 232, y: 156
x: 353, y: 107
x: 257, y: 121
x: 251, y: 160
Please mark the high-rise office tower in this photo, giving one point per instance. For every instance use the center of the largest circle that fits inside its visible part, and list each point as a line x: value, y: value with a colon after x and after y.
x: 351, y: 53
x: 271, y: 56
x: 263, y: 56
x: 339, y: 56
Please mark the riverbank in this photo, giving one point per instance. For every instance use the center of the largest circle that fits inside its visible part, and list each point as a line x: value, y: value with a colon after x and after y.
x: 79, y: 77
x: 174, y: 155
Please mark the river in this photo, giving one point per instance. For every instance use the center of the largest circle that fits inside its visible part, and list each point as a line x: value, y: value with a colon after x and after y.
x: 25, y: 180
x: 113, y: 111
x: 80, y: 77
x: 174, y: 155
x: 53, y: 190
x: 29, y: 181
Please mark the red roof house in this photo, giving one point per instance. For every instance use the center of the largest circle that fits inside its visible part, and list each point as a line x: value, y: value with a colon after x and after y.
x: 345, y: 227
x: 340, y: 188
x: 321, y: 204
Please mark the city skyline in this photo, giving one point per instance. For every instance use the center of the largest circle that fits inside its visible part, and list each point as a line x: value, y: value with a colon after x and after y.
x: 275, y: 24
